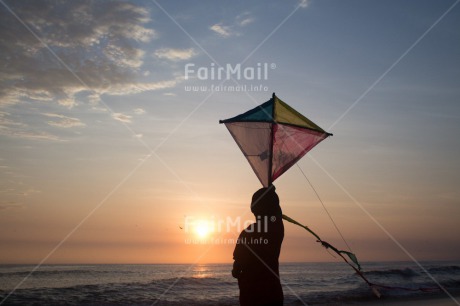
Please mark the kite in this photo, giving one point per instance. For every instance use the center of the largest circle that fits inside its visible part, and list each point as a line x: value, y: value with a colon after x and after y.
x: 273, y: 137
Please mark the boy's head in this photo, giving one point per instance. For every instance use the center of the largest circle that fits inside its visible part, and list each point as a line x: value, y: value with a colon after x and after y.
x: 265, y: 202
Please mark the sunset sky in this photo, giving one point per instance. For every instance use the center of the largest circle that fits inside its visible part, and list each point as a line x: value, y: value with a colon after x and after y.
x: 111, y: 145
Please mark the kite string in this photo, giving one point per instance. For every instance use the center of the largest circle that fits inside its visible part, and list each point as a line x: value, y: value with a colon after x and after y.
x: 324, y: 206
x: 373, y: 286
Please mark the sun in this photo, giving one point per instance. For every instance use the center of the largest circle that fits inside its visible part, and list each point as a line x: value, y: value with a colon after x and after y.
x: 202, y: 228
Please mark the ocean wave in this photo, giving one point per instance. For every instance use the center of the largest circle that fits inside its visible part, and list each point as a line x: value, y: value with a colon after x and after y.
x: 178, y: 291
x: 177, y: 285
x: 444, y: 269
x: 53, y: 273
x: 404, y: 273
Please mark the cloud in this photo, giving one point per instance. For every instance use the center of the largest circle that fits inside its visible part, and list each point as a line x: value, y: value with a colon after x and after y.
x: 222, y: 30
x: 244, y: 19
x: 15, y: 194
x: 304, y: 3
x: 28, y: 134
x: 99, y: 43
x: 245, y: 22
x: 175, y: 54
x: 226, y: 31
x: 11, y: 127
x: 127, y: 118
x: 139, y: 111
x: 28, y: 192
x: 122, y: 117
x: 63, y: 121
x: 134, y: 88
x: 8, y: 205
x: 7, y: 121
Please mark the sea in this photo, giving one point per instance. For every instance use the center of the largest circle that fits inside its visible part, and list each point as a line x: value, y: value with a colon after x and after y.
x: 212, y: 284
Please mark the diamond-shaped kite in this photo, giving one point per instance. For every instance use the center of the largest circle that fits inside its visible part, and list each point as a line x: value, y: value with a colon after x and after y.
x: 273, y: 136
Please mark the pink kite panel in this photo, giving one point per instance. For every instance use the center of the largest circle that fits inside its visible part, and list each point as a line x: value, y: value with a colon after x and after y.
x: 290, y: 144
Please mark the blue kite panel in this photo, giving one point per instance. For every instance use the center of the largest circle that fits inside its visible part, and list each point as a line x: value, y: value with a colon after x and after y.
x: 261, y: 113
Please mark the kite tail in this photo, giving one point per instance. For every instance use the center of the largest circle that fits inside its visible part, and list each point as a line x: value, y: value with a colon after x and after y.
x: 356, y: 267
x: 351, y: 256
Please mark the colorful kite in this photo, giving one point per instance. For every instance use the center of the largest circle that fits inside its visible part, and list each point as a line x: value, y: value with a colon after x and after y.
x: 273, y: 136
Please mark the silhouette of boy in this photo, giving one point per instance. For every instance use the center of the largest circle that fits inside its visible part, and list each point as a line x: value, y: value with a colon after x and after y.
x: 257, y: 251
